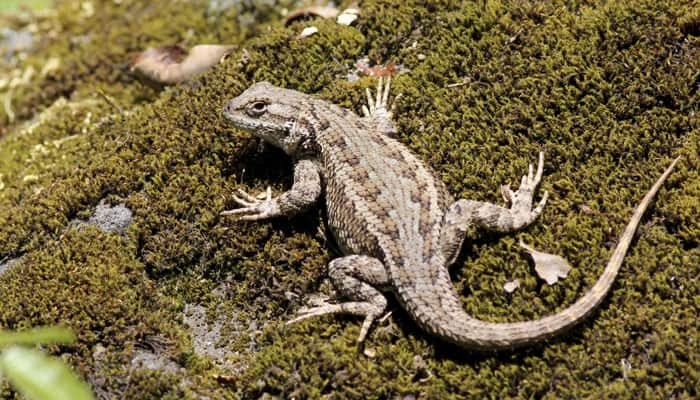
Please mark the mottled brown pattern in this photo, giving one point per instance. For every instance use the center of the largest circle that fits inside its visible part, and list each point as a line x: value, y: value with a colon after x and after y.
x: 393, y: 217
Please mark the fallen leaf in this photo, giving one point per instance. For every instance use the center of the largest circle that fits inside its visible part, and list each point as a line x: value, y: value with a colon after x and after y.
x: 511, y: 286
x: 226, y: 379
x: 377, y: 70
x: 549, y: 267
x: 348, y: 16
x: 307, y: 32
x: 363, y: 68
x: 173, y: 64
x: 317, y: 11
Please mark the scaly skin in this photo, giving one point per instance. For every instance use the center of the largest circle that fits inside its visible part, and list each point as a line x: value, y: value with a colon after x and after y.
x: 393, y: 218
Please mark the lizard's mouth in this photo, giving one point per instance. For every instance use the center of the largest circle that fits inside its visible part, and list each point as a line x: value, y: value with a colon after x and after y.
x: 258, y: 128
x: 241, y: 123
x: 237, y: 118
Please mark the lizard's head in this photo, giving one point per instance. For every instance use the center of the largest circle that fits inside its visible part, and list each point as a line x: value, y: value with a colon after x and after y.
x: 270, y: 113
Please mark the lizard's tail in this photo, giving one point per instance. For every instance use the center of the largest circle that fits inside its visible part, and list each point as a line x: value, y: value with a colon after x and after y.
x: 453, y: 324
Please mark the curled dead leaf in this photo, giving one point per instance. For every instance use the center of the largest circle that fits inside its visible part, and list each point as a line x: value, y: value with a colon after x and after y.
x: 316, y: 11
x: 173, y: 64
x: 549, y: 267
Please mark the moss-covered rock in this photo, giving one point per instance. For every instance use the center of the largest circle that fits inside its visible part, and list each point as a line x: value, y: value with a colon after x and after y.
x: 608, y: 90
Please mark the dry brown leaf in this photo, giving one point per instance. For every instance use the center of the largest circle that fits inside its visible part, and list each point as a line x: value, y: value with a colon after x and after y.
x: 549, y: 267
x: 317, y: 11
x: 510, y: 287
x: 173, y: 64
x: 226, y: 379
x: 377, y: 70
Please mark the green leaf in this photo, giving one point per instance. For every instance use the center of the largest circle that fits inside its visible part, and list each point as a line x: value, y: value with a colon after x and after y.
x: 45, y: 335
x: 39, y: 377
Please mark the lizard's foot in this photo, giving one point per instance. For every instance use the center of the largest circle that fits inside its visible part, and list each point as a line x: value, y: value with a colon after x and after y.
x: 369, y: 310
x: 254, y: 207
x: 378, y: 110
x: 521, y: 200
x: 380, y: 105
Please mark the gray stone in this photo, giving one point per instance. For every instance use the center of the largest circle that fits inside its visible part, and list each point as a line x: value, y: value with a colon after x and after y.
x: 111, y: 218
x: 155, y: 361
x: 204, y: 337
x: 12, y: 41
x: 5, y: 265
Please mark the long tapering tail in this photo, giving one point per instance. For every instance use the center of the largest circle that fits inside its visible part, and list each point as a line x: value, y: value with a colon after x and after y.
x: 453, y: 324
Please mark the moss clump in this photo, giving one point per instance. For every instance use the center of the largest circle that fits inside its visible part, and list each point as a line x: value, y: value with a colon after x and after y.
x: 608, y: 90
x: 92, y: 283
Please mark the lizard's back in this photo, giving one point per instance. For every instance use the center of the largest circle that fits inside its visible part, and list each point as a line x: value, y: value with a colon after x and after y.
x: 382, y: 200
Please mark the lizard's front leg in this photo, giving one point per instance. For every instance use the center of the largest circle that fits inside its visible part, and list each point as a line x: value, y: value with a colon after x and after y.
x: 463, y: 213
x: 304, y: 193
x: 357, y: 278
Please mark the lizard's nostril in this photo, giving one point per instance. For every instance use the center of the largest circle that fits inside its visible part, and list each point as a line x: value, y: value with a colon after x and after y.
x: 228, y: 108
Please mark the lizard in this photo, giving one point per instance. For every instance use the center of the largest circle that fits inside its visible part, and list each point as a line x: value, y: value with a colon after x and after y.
x: 395, y: 222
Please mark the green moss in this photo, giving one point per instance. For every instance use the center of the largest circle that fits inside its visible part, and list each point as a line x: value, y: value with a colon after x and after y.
x: 608, y: 90
x: 92, y: 283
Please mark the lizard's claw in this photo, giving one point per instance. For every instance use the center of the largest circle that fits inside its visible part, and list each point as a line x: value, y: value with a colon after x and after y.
x: 367, y: 310
x: 254, y: 207
x: 245, y: 199
x: 521, y: 200
x: 305, y: 313
x: 321, y: 308
x: 380, y: 104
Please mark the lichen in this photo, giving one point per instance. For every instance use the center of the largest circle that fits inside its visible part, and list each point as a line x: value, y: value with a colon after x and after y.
x: 608, y: 90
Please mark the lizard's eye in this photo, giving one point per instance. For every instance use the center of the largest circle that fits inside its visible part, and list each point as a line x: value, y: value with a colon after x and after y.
x: 256, y: 109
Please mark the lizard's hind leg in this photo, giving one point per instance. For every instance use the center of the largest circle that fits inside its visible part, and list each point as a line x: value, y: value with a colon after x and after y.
x: 358, y: 279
